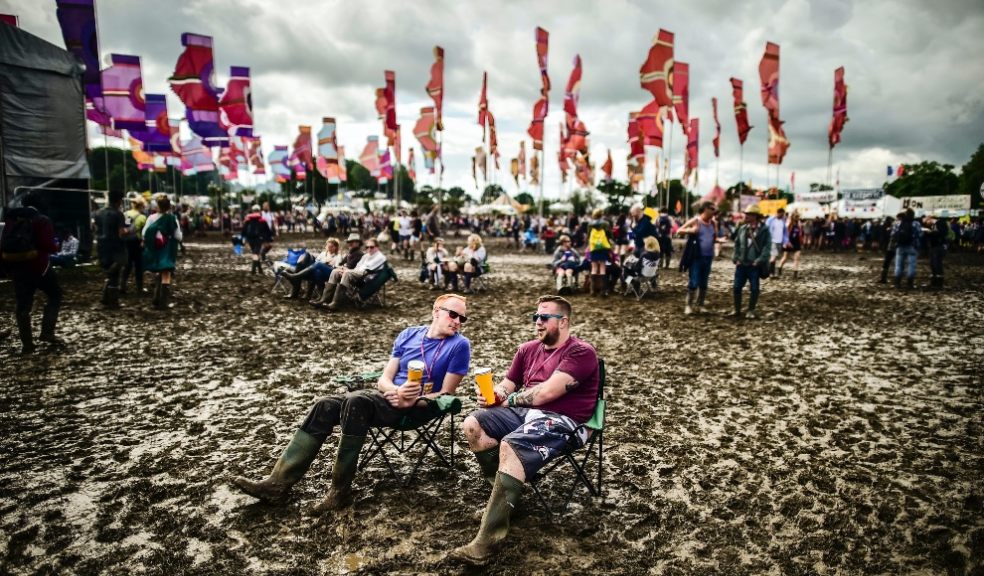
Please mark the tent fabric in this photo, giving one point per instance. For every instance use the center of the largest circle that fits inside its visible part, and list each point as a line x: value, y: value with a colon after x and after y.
x: 42, y: 108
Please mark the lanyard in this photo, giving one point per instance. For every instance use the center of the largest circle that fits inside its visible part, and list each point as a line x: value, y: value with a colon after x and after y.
x: 423, y: 357
x: 528, y: 375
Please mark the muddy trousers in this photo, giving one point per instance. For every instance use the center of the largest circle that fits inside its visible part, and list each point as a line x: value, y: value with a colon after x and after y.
x: 356, y: 412
x: 746, y: 274
x: 24, y: 289
x: 887, y: 262
x: 134, y: 262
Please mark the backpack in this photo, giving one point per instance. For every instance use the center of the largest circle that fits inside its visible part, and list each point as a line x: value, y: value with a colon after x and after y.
x: 905, y: 234
x: 598, y: 240
x: 129, y: 226
x: 19, y: 243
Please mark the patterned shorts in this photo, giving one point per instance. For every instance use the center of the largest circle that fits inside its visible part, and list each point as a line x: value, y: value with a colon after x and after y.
x: 534, y: 435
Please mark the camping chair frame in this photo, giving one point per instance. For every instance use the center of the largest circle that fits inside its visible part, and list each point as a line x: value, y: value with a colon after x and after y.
x: 579, y: 462
x: 285, y: 266
x: 481, y: 283
x: 359, y: 295
x: 410, y: 440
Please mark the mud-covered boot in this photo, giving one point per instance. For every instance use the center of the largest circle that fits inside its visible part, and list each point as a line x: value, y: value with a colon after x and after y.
x: 910, y: 283
x: 48, y: 322
x: 157, y: 292
x: 883, y: 279
x: 337, y: 299
x: 326, y: 294
x: 488, y: 463
x: 506, y: 493
x: 689, y: 309
x: 165, y: 301
x: 295, y: 289
x: 289, y: 469
x: 736, y: 313
x: 342, y: 473
x: 310, y: 291
x: 24, y: 329
x: 898, y: 282
x: 111, y: 297
x: 560, y: 284
x: 701, y: 294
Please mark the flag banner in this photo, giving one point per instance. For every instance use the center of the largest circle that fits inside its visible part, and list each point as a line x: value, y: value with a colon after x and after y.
x: 327, y: 140
x: 144, y: 160
x: 741, y: 110
x: 493, y: 139
x: 385, y: 167
x: 608, y: 166
x: 300, y: 172
x: 823, y: 197
x: 174, y: 124
x: 514, y: 169
x: 390, y: 93
x: 278, y: 164
x: 542, y: 105
x: 342, y: 169
x: 77, y: 19
x: 236, y: 104
x: 195, y: 156
x: 573, y: 91
x: 636, y: 150
x: 255, y: 153
x: 840, y: 109
x: 522, y: 158
x: 238, y: 152
x: 435, y: 88
x: 681, y: 94
x: 424, y: 130
x: 717, y: 128
x: 656, y: 73
x: 228, y: 168
x: 716, y: 195
x: 370, y: 156
x: 534, y: 170
x: 952, y: 202
x: 412, y: 166
x: 778, y: 143
x: 542, y: 45
x: 483, y: 104
x: 900, y: 171
x: 692, y: 147
x: 650, y: 125
x: 769, y: 76
x: 481, y: 163
x: 156, y: 133
x: 194, y: 83
x: 535, y: 130
x: 123, y: 96
x: 302, y: 148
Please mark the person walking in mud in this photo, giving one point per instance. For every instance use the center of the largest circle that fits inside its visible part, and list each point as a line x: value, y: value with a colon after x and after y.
x: 794, y: 244
x: 161, y: 237
x: 134, y: 221
x: 550, y: 388
x: 704, y: 226
x: 752, y: 250
x: 110, y: 233
x: 886, y: 241
x: 445, y: 355
x: 257, y: 234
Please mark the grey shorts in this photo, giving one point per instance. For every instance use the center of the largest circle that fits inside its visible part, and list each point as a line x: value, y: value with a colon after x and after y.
x: 534, y: 435
x: 776, y: 250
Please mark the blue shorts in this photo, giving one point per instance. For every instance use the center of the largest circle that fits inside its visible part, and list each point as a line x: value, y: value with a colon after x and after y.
x: 600, y: 255
x: 535, y: 436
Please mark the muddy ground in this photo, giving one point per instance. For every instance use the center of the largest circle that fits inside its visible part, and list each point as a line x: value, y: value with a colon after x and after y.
x: 840, y: 434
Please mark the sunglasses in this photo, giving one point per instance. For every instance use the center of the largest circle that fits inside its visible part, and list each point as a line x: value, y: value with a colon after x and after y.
x: 546, y: 317
x: 454, y: 315
x: 371, y: 247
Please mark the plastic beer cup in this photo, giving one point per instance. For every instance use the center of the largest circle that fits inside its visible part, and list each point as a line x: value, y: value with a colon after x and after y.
x: 483, y: 377
x: 415, y: 373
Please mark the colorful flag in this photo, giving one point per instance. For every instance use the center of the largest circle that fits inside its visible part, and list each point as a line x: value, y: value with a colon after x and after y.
x: 534, y: 170
x: 573, y: 91
x: 194, y: 83
x: 901, y: 171
x: 77, y: 19
x: 535, y: 130
x: 635, y: 138
x: 412, y: 166
x: 156, y: 132
x: 514, y: 169
x: 424, y: 130
x: 692, y: 147
x: 608, y: 166
x: 778, y: 144
x: 483, y: 104
x: 481, y: 163
x: 650, y: 126
x: 302, y: 148
x: 493, y: 140
x: 741, y: 110
x: 255, y: 153
x: 300, y: 172
x: 681, y: 94
x: 144, y: 160
x: 717, y: 128
x: 278, y: 164
x: 840, y: 109
x: 196, y: 157
x: 769, y: 76
x: 542, y: 105
x: 656, y: 73
x: 342, y: 168
x: 390, y: 92
x: 123, y: 96
x: 327, y: 140
x: 370, y: 156
x: 435, y: 88
x: 522, y: 158
x: 385, y: 171
x: 236, y: 104
x: 889, y: 171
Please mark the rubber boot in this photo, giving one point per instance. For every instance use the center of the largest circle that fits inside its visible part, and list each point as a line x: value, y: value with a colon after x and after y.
x: 736, y: 313
x: 289, y: 469
x: 560, y: 284
x: 898, y: 282
x: 910, y: 283
x: 111, y: 297
x: 506, y: 493
x: 336, y: 301
x: 779, y: 270
x: 752, y: 301
x: 326, y: 294
x: 310, y: 291
x: 468, y: 279
x: 48, y: 322
x: 342, y: 473
x: 164, y: 297
x: 295, y: 289
x: 796, y: 274
x: 688, y: 310
x: 701, y: 294
x: 157, y: 292
x: 882, y: 280
x: 488, y: 463
x: 24, y: 329
x: 452, y: 281
x: 772, y: 268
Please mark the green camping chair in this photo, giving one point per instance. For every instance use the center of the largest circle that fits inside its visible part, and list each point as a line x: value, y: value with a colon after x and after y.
x: 414, y: 439
x: 580, y: 461
x: 372, y: 289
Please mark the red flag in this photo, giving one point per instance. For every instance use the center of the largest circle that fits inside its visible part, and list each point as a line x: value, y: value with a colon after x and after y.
x: 541, y: 107
x: 607, y: 166
x: 656, y: 73
x: 370, y: 156
x: 692, y: 147
x: 741, y: 110
x: 381, y: 103
x: 483, y: 104
x: 681, y: 94
x: 840, y: 109
x: 573, y: 91
x: 717, y: 128
x: 424, y: 130
x: 390, y: 92
x: 522, y: 158
x: 536, y: 126
x: 493, y: 139
x: 302, y: 147
x: 436, y: 85
x: 650, y: 124
x: 899, y: 172
x: 563, y: 153
x: 636, y: 150
x: 397, y: 144
x: 769, y: 76
x: 778, y: 144
x: 542, y: 44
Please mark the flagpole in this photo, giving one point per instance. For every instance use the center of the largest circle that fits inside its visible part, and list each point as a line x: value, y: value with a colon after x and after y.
x: 741, y: 165
x: 124, y: 172
x: 830, y: 159
x: 106, y: 158
x: 669, y: 166
x: 440, y: 174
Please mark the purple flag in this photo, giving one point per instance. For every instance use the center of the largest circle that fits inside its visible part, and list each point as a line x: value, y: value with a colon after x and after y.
x: 78, y: 24
x: 123, y: 96
x: 156, y: 136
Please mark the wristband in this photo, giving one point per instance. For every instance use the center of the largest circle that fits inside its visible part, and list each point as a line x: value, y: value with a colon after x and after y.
x: 511, y: 400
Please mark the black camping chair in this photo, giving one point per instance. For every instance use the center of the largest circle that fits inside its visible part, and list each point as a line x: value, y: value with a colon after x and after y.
x: 593, y: 453
x: 371, y: 290
x: 413, y: 440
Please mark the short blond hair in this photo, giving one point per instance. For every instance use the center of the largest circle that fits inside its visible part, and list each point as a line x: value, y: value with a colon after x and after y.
x: 474, y: 238
x: 443, y: 297
x: 597, y: 213
x: 651, y: 243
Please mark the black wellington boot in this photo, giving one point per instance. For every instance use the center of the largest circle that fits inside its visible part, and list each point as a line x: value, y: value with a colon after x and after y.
x: 506, y: 493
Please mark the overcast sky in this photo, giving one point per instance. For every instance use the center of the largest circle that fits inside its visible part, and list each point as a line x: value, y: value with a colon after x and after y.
x: 915, y: 71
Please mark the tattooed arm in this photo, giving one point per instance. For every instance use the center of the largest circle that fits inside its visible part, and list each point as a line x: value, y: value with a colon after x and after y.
x: 557, y: 385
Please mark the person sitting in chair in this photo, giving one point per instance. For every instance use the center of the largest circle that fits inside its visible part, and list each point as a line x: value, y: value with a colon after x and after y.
x: 436, y: 258
x: 468, y: 259
x: 446, y: 355
x: 565, y: 263
x: 317, y: 273
x: 551, y: 388
x: 349, y: 260
x: 69, y: 250
x: 342, y: 279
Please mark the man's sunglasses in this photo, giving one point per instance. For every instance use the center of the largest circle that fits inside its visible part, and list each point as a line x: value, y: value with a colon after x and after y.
x: 546, y: 317
x: 454, y: 315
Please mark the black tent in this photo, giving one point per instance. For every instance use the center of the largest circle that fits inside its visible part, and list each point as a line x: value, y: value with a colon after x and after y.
x: 42, y: 128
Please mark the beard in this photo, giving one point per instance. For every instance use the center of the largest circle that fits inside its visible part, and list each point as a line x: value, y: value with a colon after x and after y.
x: 548, y: 337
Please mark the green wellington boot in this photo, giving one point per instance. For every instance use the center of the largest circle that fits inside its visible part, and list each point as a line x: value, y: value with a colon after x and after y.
x: 506, y: 493
x: 290, y: 467
x: 488, y: 462
x: 342, y: 473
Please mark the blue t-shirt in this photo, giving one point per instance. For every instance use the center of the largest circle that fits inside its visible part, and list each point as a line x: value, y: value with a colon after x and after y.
x: 440, y: 355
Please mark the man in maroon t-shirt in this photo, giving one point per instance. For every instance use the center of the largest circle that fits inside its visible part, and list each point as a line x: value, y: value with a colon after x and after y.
x: 551, y: 388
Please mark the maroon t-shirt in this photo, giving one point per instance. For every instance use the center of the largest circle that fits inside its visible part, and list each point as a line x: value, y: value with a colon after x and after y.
x: 533, y: 364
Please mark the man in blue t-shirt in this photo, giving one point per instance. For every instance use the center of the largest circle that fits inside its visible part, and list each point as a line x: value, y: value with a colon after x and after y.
x: 445, y: 354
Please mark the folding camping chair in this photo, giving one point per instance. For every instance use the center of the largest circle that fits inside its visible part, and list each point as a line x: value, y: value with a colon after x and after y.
x: 579, y: 461
x: 414, y: 440
x: 481, y: 282
x: 643, y: 279
x: 288, y: 264
x: 372, y: 289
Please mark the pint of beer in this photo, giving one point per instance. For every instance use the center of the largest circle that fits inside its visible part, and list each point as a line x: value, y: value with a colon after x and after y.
x: 483, y: 377
x: 415, y: 371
